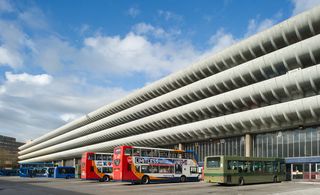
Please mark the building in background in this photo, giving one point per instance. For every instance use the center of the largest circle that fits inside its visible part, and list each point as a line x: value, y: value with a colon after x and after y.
x: 259, y: 97
x: 9, y: 152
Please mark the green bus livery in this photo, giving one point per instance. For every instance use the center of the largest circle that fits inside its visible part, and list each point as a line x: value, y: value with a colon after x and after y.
x: 243, y: 170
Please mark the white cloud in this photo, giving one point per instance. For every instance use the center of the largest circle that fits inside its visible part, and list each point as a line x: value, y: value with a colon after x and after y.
x: 29, y: 109
x: 34, y: 18
x: 255, y: 26
x: 8, y: 58
x: 42, y: 79
x: 167, y: 15
x: 221, y: 40
x: 67, y: 117
x: 5, y: 6
x: 133, y: 12
x: 157, y: 32
x: 2, y: 90
x: 303, y: 5
x: 84, y: 28
x: 135, y: 54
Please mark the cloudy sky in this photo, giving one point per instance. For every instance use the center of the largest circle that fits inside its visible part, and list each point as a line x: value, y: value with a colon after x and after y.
x: 62, y: 59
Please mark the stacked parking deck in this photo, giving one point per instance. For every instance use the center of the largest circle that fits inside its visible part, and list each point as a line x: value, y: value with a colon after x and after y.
x: 266, y: 82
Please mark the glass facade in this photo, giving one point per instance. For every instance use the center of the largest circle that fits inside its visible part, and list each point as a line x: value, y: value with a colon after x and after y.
x: 229, y: 146
x: 293, y: 143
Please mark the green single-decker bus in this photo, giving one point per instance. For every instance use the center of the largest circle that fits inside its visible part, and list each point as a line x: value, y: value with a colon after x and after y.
x: 243, y: 170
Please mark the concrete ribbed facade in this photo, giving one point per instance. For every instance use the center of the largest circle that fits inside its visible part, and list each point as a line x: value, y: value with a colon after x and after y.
x: 268, y: 82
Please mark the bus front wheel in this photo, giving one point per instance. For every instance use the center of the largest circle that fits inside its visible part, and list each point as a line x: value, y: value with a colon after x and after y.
x: 275, y: 179
x: 183, y: 178
x: 106, y: 178
x: 145, y: 180
x: 241, y: 181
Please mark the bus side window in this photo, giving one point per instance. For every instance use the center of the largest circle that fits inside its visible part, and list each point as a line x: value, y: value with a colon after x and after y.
x: 248, y: 167
x: 257, y: 167
x: 269, y: 168
x: 128, y: 152
x: 275, y: 166
x: 232, y: 165
x: 240, y: 166
x: 147, y: 153
x: 136, y: 152
x: 90, y: 157
x: 193, y: 170
x: 98, y: 156
x: 164, y: 154
x: 155, y: 153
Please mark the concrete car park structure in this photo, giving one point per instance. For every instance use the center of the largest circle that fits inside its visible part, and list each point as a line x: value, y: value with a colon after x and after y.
x: 259, y: 97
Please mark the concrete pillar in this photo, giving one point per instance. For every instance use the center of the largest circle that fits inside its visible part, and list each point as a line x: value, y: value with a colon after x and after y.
x: 62, y: 163
x: 74, y: 162
x: 309, y: 171
x: 291, y: 169
x: 180, y: 147
x: 248, y: 145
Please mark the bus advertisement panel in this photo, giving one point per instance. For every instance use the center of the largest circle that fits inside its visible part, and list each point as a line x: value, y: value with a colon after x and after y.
x: 243, y: 170
x: 34, y: 169
x: 145, y: 165
x: 96, y: 166
x: 64, y: 172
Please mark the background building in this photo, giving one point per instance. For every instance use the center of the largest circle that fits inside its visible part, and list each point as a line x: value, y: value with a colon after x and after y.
x: 259, y: 97
x: 9, y: 152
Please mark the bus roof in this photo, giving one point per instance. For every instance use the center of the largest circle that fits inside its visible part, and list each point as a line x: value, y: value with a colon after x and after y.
x: 164, y: 149
x: 107, y: 153
x: 247, y: 158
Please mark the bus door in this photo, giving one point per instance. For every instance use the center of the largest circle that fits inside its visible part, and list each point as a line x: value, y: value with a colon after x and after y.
x: 297, y: 171
x: 318, y: 171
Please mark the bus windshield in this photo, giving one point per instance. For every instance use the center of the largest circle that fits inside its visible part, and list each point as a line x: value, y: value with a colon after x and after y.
x: 213, y: 162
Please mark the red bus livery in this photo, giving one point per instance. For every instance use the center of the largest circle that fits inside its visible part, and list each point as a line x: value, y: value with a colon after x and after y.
x: 145, y: 165
x: 96, y: 166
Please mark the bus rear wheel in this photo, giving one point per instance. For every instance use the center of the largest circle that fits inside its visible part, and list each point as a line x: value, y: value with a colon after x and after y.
x: 145, y: 180
x: 183, y: 178
x: 241, y: 181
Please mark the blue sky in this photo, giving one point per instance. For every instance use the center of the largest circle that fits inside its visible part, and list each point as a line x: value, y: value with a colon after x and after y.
x: 62, y: 59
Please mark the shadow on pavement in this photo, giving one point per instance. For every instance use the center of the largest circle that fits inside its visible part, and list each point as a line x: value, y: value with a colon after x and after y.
x: 23, y: 187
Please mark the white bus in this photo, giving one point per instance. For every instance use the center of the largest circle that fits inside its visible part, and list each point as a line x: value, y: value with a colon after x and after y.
x: 145, y: 165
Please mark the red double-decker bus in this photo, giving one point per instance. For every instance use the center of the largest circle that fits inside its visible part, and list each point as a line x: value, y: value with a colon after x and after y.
x: 144, y: 165
x: 96, y: 166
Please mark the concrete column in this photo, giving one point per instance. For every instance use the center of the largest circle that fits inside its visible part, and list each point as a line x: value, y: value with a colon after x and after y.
x: 180, y: 147
x: 74, y: 162
x: 62, y: 163
x: 248, y: 145
x: 291, y: 169
x: 309, y: 171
